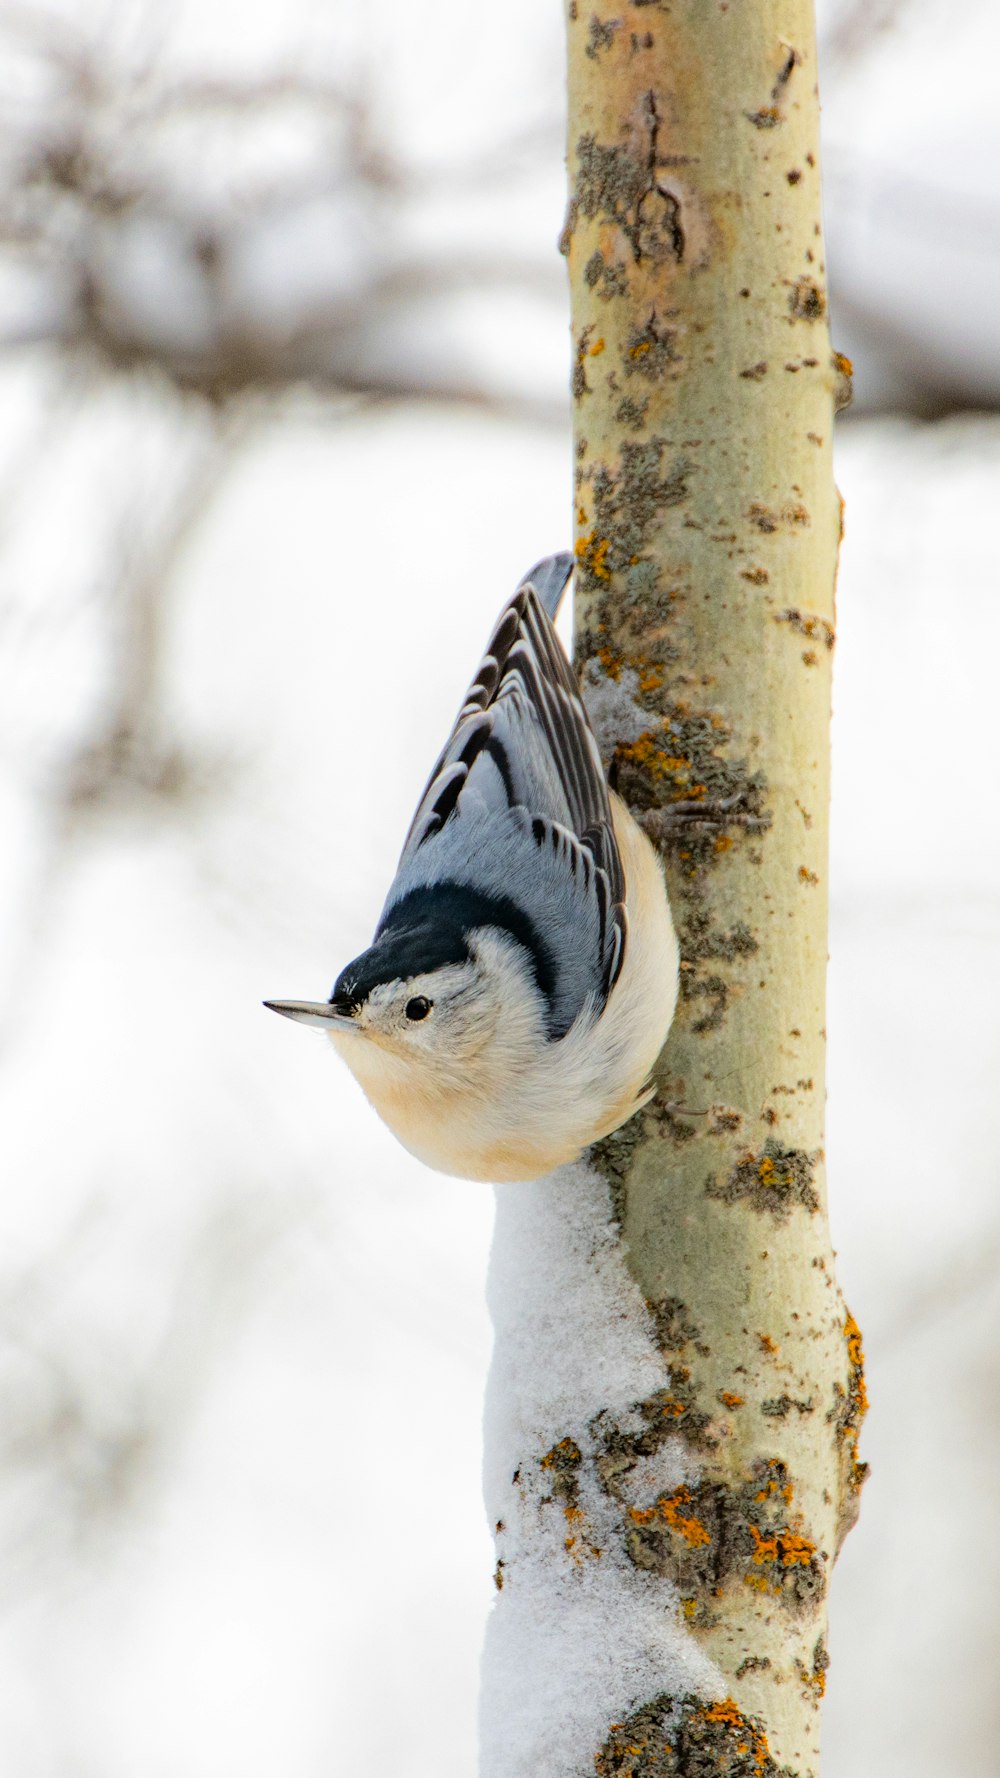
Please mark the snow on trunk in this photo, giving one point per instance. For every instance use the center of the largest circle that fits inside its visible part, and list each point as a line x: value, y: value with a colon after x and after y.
x: 580, y: 1445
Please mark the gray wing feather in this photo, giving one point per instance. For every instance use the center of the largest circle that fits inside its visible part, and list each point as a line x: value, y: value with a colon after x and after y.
x: 550, y: 578
x: 517, y: 804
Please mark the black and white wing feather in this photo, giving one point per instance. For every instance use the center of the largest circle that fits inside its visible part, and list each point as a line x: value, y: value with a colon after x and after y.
x: 517, y: 805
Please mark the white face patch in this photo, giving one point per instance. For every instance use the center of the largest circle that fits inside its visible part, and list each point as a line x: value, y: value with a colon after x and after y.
x: 429, y: 1014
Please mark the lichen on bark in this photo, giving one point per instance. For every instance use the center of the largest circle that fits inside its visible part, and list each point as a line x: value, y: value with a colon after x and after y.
x: 687, y: 1737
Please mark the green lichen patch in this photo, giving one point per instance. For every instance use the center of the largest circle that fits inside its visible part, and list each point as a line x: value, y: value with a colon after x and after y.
x: 601, y: 34
x: 682, y: 760
x: 753, y: 1664
x: 610, y: 181
x: 613, y: 1157
x: 650, y: 350
x: 673, y: 1325
x: 703, y: 948
x: 620, y: 1443
x: 706, y: 1535
x: 689, y: 792
x: 775, y: 1179
x: 631, y: 413
x: 562, y: 1467
x: 608, y: 277
x: 701, y: 940
x: 778, y: 1407
x: 682, y: 1536
x: 711, y: 993
x: 686, y: 1738
x: 783, y: 1560
x: 625, y: 506
x: 623, y: 183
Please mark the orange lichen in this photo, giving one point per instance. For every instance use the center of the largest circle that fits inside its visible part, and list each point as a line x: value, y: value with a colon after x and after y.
x: 854, y: 1400
x: 774, y: 1485
x: 784, y: 1547
x: 566, y: 1451
x: 766, y: 1343
x: 728, y: 1714
x: 672, y: 1409
x: 669, y: 1509
x: 855, y: 1352
x: 596, y: 349
x: 643, y: 750
x: 649, y: 673
x: 730, y: 1399
x: 669, y: 1735
x: 726, y: 1711
x: 592, y: 551
x: 723, y: 843
x: 815, y: 1680
x: 807, y: 876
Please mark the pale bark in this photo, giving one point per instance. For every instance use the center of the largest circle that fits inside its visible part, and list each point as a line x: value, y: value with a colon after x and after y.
x: 707, y: 527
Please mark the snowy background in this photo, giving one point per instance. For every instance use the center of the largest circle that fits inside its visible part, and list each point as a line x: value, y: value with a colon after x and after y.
x: 282, y: 418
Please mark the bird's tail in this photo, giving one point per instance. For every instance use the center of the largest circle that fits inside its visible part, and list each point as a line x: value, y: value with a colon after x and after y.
x: 550, y: 577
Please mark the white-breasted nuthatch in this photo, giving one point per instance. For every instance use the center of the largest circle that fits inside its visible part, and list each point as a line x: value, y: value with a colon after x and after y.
x: 523, y: 973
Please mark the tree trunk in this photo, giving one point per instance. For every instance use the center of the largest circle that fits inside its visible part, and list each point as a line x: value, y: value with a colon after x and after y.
x: 677, y: 1389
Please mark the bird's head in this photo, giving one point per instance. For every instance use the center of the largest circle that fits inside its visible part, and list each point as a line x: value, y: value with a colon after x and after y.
x: 432, y: 997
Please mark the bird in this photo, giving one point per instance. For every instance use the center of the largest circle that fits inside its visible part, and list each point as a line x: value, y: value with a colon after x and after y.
x: 523, y: 973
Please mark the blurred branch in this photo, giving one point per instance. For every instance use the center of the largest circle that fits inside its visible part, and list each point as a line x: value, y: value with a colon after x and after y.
x: 132, y: 750
x: 273, y: 255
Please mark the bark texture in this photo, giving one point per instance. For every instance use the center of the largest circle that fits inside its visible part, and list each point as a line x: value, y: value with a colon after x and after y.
x: 707, y: 527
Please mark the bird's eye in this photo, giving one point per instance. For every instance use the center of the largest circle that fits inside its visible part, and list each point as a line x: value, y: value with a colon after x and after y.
x: 418, y: 1007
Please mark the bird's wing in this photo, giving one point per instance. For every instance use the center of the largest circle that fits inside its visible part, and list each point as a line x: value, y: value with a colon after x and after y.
x: 522, y: 757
